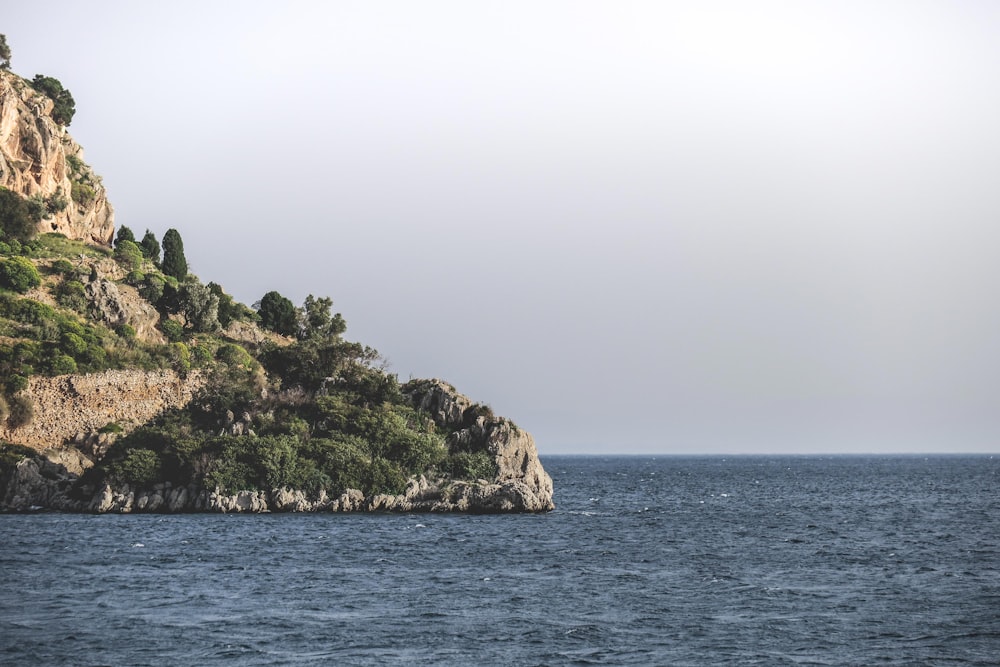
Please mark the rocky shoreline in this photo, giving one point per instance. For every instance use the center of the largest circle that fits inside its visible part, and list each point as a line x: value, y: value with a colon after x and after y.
x: 39, y: 485
x: 51, y: 480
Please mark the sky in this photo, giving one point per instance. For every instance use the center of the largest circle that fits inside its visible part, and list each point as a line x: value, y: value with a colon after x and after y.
x: 632, y: 227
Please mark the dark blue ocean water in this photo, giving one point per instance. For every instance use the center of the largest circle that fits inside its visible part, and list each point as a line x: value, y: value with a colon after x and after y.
x: 665, y: 561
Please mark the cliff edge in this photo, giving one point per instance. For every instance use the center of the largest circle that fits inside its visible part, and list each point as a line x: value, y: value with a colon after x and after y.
x: 39, y: 160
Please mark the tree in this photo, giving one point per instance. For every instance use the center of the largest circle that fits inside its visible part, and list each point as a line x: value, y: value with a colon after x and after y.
x: 278, y: 314
x: 15, y: 217
x: 174, y: 262
x: 229, y: 308
x: 124, y: 234
x: 150, y: 247
x: 316, y: 320
x: 64, y: 106
x: 4, y: 53
x: 199, y: 306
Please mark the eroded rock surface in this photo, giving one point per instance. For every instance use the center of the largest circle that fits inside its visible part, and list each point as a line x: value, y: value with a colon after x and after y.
x: 67, y: 405
x: 38, y: 157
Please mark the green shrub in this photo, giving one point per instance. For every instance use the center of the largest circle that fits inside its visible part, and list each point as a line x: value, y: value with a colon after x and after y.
x: 180, y: 357
x: 62, y: 267
x: 172, y: 329
x: 72, y: 344
x: 384, y: 476
x: 140, y: 467
x: 19, y: 274
x: 151, y: 289
x: 62, y: 364
x: 29, y: 311
x: 82, y: 193
x: 36, y: 207
x: 16, y: 383
x: 125, y: 331
x: 128, y: 255
x: 416, y: 452
x: 201, y: 355
x: 56, y: 202
x: 465, y: 465
x: 234, y: 355
x: 75, y: 164
x: 111, y: 427
x: 342, y: 459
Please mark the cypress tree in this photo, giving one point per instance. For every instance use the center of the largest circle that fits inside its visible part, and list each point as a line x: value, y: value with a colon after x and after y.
x: 174, y: 262
x: 150, y: 247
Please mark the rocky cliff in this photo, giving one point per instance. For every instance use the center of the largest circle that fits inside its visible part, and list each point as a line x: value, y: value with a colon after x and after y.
x: 38, y: 158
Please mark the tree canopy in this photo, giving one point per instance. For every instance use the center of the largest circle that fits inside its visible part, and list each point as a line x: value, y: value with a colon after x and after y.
x: 278, y: 314
x: 150, y: 247
x: 64, y: 105
x: 124, y: 234
x: 4, y: 53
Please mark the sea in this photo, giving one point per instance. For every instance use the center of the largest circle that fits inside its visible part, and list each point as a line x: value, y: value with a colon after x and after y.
x: 646, y: 561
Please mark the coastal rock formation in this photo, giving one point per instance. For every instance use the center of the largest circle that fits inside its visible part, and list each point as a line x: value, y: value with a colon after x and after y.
x: 38, y: 158
x: 36, y: 483
x: 68, y: 405
x: 520, y: 484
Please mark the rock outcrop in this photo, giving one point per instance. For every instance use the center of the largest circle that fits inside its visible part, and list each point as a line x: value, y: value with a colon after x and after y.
x: 115, y: 305
x: 38, y: 158
x: 66, y: 406
x: 520, y: 485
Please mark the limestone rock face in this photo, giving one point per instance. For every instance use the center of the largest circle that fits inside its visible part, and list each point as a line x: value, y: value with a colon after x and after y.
x: 68, y: 405
x: 39, y: 157
x: 521, y: 484
x: 116, y: 305
x: 36, y: 483
x: 446, y: 406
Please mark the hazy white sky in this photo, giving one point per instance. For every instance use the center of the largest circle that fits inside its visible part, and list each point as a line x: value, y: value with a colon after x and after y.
x: 676, y: 227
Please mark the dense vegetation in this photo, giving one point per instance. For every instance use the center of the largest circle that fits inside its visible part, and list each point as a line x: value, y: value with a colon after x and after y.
x: 303, y: 408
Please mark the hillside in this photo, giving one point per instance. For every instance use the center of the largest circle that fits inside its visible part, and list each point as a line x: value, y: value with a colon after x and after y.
x: 129, y: 385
